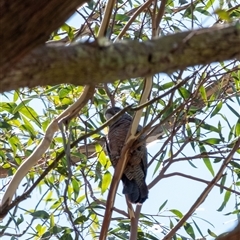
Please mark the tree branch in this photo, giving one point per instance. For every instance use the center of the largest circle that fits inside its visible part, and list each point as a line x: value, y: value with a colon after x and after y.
x: 96, y: 62
x: 221, y: 88
x: 199, y: 180
x: 204, y: 194
x: 43, y: 146
x: 23, y: 25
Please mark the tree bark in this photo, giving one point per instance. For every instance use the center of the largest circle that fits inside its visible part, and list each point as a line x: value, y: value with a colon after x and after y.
x: 98, y: 62
x: 24, y: 25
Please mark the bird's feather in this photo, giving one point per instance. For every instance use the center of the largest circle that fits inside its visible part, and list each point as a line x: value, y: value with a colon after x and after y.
x: 134, y: 175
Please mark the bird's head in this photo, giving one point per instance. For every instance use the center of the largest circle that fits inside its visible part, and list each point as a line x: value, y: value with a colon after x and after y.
x: 110, y: 112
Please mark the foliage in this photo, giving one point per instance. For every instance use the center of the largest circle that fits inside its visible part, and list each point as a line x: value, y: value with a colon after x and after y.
x: 199, y: 127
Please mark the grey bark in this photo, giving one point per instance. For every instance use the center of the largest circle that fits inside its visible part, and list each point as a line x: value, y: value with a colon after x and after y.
x: 95, y: 62
x: 24, y: 25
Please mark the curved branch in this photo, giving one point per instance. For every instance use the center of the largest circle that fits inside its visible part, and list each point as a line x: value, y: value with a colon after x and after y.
x: 131, y: 137
x: 4, y: 209
x: 43, y: 146
x: 28, y: 164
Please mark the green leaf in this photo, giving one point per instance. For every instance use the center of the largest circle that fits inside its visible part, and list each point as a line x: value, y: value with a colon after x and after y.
x: 21, y: 105
x: 15, y: 143
x: 46, y: 235
x: 76, y: 187
x: 189, y: 133
x: 188, y: 228
x: 40, y: 214
x: 49, y: 90
x: 15, y: 96
x: 68, y: 29
x: 209, y: 4
x: 20, y: 220
x: 212, y: 141
x: 80, y: 198
x: 190, y: 162
x: 202, y: 91
x: 166, y: 86
x: 30, y: 114
x: 28, y: 126
x: 41, y: 229
x: 206, y: 160
x: 235, y: 164
x: 49, y: 196
x: 52, y: 222
x: 203, y: 11
x: 56, y: 229
x: 57, y: 204
x: 237, y: 128
x: 216, y: 109
x: 171, y: 225
x: 176, y: 212
x: 211, y: 233
x: 209, y: 165
x: 102, y: 158
x: 162, y: 206
x: 199, y: 230
x: 234, y: 111
x: 106, y: 180
x: 223, y: 180
x: 209, y: 127
x: 66, y: 236
x: 231, y: 134
x: 226, y: 199
x: 45, y: 124
x: 101, y: 91
x: 159, y: 163
x: 223, y: 14
x: 64, y: 92
x: 80, y: 220
x: 184, y: 92
x: 122, y: 17
x: 4, y: 124
x: 7, y: 106
x: 183, y: 2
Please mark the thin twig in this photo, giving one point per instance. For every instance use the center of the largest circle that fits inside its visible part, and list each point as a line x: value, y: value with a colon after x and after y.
x: 204, y: 194
x: 199, y: 180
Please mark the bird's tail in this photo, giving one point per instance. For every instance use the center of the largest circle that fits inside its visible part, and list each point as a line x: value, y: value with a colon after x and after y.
x: 135, y: 193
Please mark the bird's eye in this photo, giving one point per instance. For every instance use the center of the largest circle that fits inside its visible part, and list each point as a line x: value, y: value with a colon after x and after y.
x: 108, y: 116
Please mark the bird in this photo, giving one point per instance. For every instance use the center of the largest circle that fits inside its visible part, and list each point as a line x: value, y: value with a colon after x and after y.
x: 134, y: 175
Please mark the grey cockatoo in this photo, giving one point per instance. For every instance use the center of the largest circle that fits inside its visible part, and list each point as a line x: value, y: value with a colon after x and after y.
x: 134, y: 175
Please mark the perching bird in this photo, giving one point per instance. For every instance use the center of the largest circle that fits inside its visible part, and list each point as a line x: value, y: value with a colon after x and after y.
x: 134, y: 175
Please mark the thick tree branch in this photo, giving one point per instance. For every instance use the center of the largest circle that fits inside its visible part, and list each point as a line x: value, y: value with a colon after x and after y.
x: 96, y: 62
x: 23, y: 25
